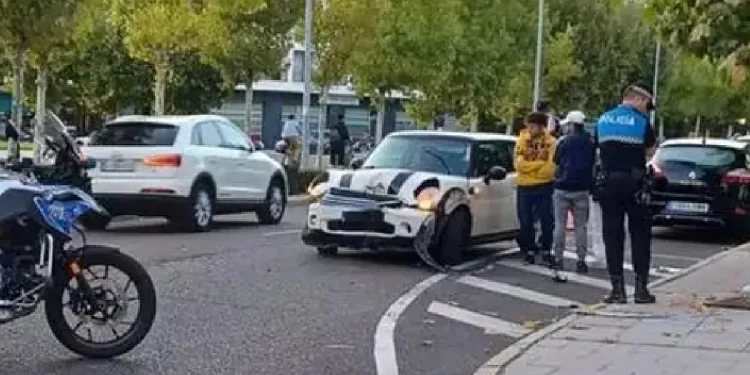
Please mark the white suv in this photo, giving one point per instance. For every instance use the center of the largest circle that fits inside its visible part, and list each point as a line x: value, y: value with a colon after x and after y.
x: 184, y: 168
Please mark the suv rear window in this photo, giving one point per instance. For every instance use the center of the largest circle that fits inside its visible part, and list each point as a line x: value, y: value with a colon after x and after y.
x: 135, y: 134
x: 700, y: 156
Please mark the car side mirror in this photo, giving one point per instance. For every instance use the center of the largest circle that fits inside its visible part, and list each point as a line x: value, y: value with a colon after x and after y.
x: 496, y: 173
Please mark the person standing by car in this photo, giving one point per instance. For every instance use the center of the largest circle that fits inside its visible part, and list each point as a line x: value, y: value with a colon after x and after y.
x: 574, y: 157
x: 292, y: 135
x: 339, y: 141
x: 534, y: 163
x: 624, y: 136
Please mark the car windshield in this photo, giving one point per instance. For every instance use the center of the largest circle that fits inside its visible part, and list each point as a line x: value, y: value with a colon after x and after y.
x: 135, y: 134
x: 700, y: 156
x: 434, y: 154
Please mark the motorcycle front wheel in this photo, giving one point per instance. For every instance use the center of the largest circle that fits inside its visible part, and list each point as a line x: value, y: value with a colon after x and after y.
x: 100, y: 308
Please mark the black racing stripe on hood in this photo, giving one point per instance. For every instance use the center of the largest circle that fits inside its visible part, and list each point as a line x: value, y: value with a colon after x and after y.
x: 346, y: 180
x: 398, y: 182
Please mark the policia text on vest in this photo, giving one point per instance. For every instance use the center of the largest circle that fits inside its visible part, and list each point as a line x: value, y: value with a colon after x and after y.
x: 623, y: 136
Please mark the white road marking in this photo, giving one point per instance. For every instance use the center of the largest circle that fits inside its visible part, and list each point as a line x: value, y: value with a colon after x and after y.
x: 574, y: 277
x: 518, y: 292
x: 384, y: 349
x: 282, y: 232
x: 489, y: 324
x: 628, y: 266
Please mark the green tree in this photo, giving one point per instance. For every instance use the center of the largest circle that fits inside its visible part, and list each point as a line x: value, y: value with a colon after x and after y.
x: 613, y: 46
x: 156, y: 32
x: 195, y: 87
x: 249, y: 45
x: 698, y: 89
x: 716, y: 28
x: 48, y: 50
x: 16, y: 35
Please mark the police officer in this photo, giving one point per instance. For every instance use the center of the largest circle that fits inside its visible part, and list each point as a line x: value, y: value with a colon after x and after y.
x: 623, y: 136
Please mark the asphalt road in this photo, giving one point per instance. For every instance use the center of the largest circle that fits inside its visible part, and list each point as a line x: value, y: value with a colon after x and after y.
x: 247, y: 299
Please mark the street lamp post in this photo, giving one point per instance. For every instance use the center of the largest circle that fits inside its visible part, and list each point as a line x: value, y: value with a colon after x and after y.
x: 539, y: 43
x: 308, y: 82
x: 655, y: 88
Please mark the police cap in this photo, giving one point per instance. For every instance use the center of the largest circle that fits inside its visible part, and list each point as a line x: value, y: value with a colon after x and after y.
x: 642, y: 92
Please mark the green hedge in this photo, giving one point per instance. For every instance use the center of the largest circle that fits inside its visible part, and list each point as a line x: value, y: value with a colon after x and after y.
x: 300, y: 180
x: 25, y: 146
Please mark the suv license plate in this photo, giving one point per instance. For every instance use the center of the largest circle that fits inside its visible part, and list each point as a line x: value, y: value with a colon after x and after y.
x: 118, y: 165
x: 691, y: 207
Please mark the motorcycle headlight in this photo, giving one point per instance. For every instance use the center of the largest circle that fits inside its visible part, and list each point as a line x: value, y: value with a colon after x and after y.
x: 427, y: 199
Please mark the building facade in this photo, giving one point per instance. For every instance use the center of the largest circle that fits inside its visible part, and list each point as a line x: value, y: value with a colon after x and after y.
x: 275, y: 100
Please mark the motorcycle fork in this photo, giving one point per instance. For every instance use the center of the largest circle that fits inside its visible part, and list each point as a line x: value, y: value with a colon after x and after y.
x: 74, y: 271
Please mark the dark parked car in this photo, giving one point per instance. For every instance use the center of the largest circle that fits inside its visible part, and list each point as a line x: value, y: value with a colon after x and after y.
x: 702, y: 182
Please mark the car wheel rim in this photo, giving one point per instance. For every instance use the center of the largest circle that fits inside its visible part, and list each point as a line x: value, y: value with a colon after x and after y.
x: 202, y: 209
x: 276, y: 203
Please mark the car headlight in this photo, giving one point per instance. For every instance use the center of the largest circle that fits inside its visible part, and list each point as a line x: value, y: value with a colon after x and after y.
x: 427, y: 199
x: 316, y: 192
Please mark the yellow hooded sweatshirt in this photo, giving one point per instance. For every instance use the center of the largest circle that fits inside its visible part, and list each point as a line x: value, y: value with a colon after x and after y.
x: 535, y: 162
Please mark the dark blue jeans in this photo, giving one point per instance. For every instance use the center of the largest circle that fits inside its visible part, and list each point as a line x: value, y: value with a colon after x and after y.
x: 534, y: 203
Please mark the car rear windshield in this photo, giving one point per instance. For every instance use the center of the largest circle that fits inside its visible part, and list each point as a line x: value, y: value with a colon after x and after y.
x: 135, y: 134
x: 701, y: 156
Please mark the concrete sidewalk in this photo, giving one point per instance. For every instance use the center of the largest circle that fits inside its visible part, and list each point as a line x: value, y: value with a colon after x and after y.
x: 682, y: 334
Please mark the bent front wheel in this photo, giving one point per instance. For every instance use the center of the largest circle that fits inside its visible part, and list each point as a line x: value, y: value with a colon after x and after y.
x: 107, y: 310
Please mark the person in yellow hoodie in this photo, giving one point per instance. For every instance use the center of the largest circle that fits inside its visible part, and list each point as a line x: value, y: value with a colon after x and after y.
x: 534, y: 162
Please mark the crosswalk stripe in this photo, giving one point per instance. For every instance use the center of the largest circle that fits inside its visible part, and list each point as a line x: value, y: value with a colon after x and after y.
x: 518, y: 292
x: 574, y: 277
x: 491, y: 326
x: 628, y: 266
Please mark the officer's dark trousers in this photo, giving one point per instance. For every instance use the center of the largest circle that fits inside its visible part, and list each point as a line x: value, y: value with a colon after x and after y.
x: 535, y: 203
x: 618, y: 200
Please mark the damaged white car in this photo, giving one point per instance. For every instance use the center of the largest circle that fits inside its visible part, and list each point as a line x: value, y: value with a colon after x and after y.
x: 436, y: 193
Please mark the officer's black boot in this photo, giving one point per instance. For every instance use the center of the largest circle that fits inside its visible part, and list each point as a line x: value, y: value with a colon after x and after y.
x: 642, y: 294
x: 617, y: 295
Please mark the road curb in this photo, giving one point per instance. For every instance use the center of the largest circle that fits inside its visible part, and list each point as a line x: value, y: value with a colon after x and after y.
x: 496, y: 364
x: 297, y: 200
x: 695, y: 267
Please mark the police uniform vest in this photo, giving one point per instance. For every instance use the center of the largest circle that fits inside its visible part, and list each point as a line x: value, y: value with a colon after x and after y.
x: 622, y: 136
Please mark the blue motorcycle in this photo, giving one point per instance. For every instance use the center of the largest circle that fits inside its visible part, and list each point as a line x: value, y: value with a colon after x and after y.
x: 87, y: 310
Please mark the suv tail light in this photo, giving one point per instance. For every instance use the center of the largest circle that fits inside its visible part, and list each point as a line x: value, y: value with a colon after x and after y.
x: 163, y: 160
x: 737, y: 177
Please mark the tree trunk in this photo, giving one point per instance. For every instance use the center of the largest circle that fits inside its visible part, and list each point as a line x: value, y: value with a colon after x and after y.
x: 160, y: 87
x: 509, y: 127
x: 730, y: 131
x: 697, y: 126
x: 249, y: 101
x: 379, y: 121
x: 41, y: 111
x: 661, y: 127
x: 474, y: 122
x: 322, y: 125
x: 19, y: 70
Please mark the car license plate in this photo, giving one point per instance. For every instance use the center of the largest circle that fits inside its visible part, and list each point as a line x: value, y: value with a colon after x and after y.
x: 691, y: 207
x: 118, y: 165
x: 362, y: 216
